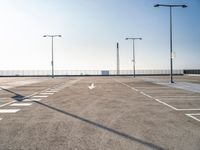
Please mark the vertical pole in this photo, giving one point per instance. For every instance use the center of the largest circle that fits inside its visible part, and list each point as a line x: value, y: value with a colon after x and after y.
x: 118, y: 59
x: 133, y: 58
x: 171, y: 59
x: 52, y: 63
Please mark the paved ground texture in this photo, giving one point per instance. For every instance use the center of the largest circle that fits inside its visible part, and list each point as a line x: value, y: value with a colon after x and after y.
x: 104, y: 113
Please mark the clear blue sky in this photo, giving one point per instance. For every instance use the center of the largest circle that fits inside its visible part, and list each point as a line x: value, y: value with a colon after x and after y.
x: 90, y: 30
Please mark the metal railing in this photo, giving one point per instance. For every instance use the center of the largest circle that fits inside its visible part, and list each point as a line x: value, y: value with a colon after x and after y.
x: 85, y: 72
x: 192, y: 71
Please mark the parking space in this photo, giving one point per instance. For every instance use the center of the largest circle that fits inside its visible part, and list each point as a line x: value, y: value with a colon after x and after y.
x: 17, y: 95
x: 175, y: 97
x: 101, y: 113
x: 195, y: 116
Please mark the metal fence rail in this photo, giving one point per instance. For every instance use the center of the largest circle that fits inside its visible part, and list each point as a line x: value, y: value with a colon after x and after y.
x: 192, y: 71
x: 84, y: 72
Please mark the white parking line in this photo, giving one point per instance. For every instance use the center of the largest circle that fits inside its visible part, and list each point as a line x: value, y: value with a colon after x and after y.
x: 181, y: 96
x: 135, y: 89
x: 127, y: 85
x: 165, y: 104
x: 21, y: 104
x: 53, y: 91
x: 193, y: 116
x: 187, y: 109
x: 47, y: 93
x: 150, y: 96
x: 146, y: 95
x: 4, y: 98
x: 180, y: 99
x: 41, y: 96
x: 151, y: 87
x: 31, y: 100
x: 177, y: 109
x: 6, y: 104
x: 9, y: 110
x: 32, y: 95
x: 25, y: 98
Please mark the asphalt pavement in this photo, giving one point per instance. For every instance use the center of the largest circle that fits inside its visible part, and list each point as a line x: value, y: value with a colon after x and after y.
x: 98, y: 113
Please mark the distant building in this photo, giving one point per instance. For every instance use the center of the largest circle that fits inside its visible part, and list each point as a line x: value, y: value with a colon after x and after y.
x: 105, y: 72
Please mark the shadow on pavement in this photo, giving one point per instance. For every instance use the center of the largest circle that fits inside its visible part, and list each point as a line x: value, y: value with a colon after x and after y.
x: 119, y: 133
x: 17, y: 96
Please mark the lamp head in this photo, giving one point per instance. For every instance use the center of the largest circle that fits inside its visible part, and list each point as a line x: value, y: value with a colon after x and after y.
x: 157, y: 5
x: 184, y: 6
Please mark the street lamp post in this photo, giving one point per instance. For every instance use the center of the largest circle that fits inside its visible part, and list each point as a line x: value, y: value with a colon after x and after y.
x: 133, y: 52
x: 171, y: 46
x: 52, y: 56
x: 118, y: 66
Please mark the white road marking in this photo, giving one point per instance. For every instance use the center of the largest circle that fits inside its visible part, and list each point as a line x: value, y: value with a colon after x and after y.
x: 48, y: 93
x: 31, y: 100
x: 192, y: 74
x: 56, y: 89
x: 53, y: 91
x: 91, y: 86
x: 193, y: 116
x: 135, y: 89
x: 146, y: 95
x: 21, y: 104
x: 170, y: 99
x: 71, y: 84
x: 7, y: 104
x: 187, y: 109
x: 181, y: 96
x: 25, y: 98
x: 9, y: 110
x: 196, y: 114
x: 0, y: 119
x: 149, y: 95
x: 4, y: 98
x: 34, y: 94
x: 155, y: 88
x: 165, y: 104
x: 177, y: 109
x: 127, y: 85
x: 40, y: 96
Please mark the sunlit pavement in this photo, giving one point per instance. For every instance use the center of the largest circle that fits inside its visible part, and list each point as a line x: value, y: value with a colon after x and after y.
x: 99, y: 113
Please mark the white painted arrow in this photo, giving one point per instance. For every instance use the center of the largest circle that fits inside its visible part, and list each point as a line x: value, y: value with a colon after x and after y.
x: 91, y: 86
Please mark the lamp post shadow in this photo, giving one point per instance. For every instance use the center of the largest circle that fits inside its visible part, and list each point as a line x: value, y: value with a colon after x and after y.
x: 108, y: 129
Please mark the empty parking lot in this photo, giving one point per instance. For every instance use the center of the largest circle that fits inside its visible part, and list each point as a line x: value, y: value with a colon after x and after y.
x: 100, y: 113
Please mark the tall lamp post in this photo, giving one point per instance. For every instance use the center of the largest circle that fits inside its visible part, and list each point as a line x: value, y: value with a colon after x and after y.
x: 118, y: 67
x: 52, y: 61
x: 133, y: 52
x: 171, y: 57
